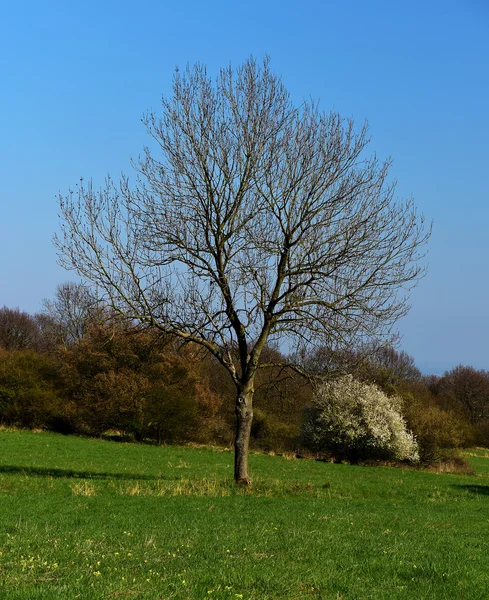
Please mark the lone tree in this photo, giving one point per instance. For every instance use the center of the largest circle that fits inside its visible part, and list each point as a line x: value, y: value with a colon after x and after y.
x: 253, y: 220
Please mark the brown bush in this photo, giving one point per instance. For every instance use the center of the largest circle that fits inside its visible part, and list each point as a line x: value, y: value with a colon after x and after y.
x: 437, y: 430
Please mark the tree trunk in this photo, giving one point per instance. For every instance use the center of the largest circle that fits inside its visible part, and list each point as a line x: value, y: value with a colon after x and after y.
x: 244, y: 418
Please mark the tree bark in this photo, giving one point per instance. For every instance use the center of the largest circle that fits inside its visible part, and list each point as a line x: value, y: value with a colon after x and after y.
x: 244, y: 418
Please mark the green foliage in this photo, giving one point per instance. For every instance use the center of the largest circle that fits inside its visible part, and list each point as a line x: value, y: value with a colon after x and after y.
x: 172, y: 416
x: 28, y: 394
x: 481, y: 433
x: 269, y: 433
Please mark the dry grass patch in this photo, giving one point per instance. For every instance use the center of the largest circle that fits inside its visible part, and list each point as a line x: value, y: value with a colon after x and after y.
x: 455, y: 465
x: 183, y: 487
x: 84, y: 488
x: 215, y: 488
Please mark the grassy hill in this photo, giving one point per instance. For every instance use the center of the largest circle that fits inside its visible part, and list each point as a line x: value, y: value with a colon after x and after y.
x: 84, y: 518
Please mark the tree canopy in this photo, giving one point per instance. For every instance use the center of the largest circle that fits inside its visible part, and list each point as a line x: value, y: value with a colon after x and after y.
x: 253, y: 220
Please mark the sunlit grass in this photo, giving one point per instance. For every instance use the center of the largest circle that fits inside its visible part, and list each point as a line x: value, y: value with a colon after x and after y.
x: 92, y: 519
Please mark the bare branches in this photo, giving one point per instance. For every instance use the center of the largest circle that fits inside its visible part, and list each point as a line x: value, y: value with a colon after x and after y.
x: 256, y: 220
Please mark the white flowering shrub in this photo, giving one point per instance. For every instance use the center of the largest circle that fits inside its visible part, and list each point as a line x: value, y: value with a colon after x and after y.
x: 357, y: 420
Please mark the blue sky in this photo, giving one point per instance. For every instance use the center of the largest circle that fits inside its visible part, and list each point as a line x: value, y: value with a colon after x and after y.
x: 76, y: 78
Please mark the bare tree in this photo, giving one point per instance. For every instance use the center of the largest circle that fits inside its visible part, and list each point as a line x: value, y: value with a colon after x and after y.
x: 253, y: 220
x: 67, y: 317
x: 18, y: 330
x: 470, y: 389
x: 396, y: 366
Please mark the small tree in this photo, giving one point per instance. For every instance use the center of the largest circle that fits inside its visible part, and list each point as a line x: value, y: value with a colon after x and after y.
x: 256, y: 221
x: 357, y: 420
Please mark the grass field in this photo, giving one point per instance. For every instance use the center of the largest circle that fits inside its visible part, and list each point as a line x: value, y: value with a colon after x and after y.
x: 86, y: 518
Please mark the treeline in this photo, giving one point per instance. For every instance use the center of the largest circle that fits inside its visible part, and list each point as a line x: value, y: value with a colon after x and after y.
x: 74, y: 368
x: 447, y: 412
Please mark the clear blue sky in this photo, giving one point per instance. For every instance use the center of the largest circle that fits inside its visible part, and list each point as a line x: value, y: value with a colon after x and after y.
x: 76, y: 78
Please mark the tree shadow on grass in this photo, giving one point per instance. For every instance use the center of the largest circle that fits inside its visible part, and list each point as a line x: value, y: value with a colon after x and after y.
x: 479, y: 490
x: 75, y: 474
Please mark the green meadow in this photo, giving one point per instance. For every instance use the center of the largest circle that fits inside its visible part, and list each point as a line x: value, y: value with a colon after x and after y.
x: 82, y: 518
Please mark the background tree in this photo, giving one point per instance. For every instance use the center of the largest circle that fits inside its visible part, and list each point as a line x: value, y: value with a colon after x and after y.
x: 379, y: 364
x: 18, y: 330
x: 256, y: 220
x: 469, y: 388
x: 395, y: 366
x: 66, y: 318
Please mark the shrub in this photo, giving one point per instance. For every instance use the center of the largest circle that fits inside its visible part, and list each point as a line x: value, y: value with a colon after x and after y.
x: 437, y: 430
x: 269, y: 433
x: 114, y: 400
x: 28, y: 395
x: 481, y: 433
x: 172, y: 416
x: 358, y: 421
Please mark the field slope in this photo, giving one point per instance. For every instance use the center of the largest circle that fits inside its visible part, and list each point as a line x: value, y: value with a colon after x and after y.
x: 87, y: 519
